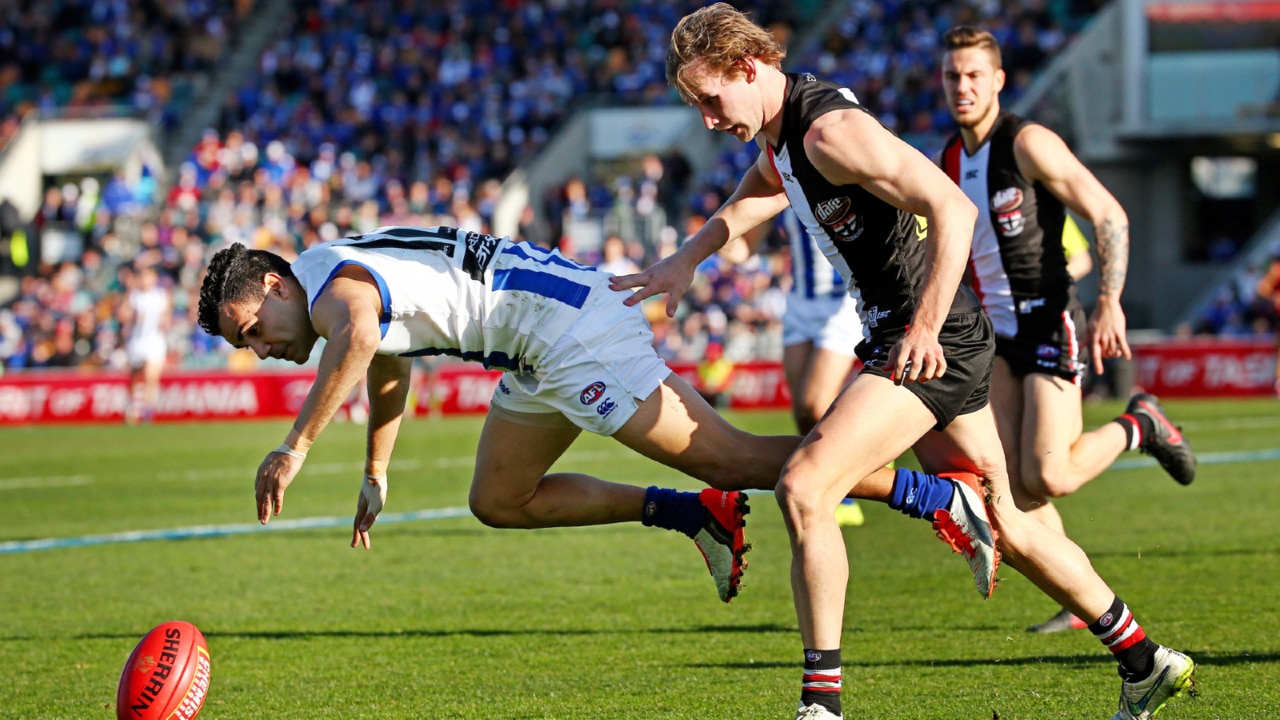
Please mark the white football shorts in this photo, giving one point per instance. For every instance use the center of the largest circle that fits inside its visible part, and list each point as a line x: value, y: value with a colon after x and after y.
x: 145, y: 350
x: 830, y: 323
x: 593, y: 377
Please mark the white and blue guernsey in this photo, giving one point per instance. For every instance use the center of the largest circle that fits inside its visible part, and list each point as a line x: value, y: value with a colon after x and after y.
x: 453, y: 292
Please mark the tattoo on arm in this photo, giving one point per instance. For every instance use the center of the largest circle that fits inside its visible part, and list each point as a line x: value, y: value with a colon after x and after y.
x: 1113, y: 257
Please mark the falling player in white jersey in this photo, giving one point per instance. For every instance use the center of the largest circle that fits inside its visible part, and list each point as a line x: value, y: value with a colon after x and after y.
x: 576, y: 358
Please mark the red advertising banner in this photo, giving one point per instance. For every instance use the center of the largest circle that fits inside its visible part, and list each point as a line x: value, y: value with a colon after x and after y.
x: 1235, y: 368
x: 465, y: 389
x: 757, y: 386
x: 461, y: 389
x: 43, y: 397
x: 1230, y: 368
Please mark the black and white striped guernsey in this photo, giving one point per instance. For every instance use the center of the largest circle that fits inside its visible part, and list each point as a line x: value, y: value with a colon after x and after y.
x: 876, y: 247
x: 1018, y: 263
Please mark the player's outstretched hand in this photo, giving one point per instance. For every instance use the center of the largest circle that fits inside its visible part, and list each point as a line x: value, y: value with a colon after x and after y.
x: 373, y: 495
x: 917, y: 357
x: 671, y: 275
x: 274, y: 475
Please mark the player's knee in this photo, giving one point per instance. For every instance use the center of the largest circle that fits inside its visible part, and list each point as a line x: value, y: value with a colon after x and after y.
x: 799, y: 503
x: 496, y: 514
x: 1047, y: 480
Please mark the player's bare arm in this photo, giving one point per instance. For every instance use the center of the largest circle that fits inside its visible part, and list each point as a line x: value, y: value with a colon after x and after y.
x: 1043, y: 157
x: 346, y: 313
x: 741, y: 248
x: 851, y: 147
x: 758, y: 197
x: 389, y: 379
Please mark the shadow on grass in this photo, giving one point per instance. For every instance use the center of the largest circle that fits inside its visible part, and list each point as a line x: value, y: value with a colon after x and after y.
x: 1207, y: 658
x: 1203, y: 659
x: 1162, y: 553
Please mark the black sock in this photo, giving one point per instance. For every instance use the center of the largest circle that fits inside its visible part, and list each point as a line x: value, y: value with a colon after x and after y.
x: 1124, y: 637
x: 1137, y: 428
x: 821, y: 685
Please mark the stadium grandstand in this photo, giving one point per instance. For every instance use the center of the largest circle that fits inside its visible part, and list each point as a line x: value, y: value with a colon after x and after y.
x: 153, y: 134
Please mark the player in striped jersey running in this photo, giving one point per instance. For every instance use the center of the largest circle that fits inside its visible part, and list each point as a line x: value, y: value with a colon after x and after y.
x: 1023, y: 177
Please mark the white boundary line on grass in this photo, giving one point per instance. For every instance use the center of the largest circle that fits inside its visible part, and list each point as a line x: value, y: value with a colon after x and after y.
x: 208, y: 531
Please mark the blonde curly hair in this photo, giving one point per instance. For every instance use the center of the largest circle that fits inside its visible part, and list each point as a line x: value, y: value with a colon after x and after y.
x: 718, y: 35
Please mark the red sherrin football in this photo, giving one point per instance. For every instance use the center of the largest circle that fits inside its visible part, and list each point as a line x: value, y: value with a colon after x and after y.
x: 167, y: 676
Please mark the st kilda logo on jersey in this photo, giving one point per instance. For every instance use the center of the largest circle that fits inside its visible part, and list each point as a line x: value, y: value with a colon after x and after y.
x: 836, y: 215
x: 1007, y: 205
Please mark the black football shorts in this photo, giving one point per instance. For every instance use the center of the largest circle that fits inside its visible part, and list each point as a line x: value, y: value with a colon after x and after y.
x: 1052, y: 345
x: 968, y: 342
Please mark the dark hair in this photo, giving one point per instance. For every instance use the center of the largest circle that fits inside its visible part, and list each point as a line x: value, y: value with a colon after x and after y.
x: 967, y: 36
x: 234, y: 275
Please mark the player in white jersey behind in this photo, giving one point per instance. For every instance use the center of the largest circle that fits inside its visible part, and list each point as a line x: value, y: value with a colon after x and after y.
x: 576, y: 358
x: 144, y: 319
x: 820, y: 329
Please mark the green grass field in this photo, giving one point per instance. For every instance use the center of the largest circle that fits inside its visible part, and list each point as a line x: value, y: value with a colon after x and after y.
x: 446, y: 618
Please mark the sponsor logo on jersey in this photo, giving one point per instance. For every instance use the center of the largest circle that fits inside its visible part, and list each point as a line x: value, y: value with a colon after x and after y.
x: 833, y: 210
x: 502, y: 388
x: 1047, y: 351
x: 1007, y: 205
x: 837, y: 216
x: 592, y: 393
x: 606, y: 407
x: 1006, y: 200
x: 809, y: 77
x: 1026, y: 306
x: 480, y: 250
x: 971, y: 174
x: 875, y: 315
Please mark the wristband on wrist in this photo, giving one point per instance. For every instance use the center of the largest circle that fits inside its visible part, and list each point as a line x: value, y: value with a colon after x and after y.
x: 286, y: 450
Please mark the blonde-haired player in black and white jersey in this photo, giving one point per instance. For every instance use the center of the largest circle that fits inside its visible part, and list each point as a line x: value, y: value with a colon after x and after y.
x: 860, y: 191
x: 1024, y: 179
x: 576, y: 358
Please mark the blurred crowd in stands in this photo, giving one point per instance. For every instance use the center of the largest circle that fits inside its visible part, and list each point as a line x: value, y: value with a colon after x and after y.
x: 373, y: 113
x: 80, y: 56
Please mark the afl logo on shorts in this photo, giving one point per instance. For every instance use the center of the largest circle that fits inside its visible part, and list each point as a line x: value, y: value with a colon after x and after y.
x: 1007, y: 205
x: 592, y: 393
x: 1047, y: 351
